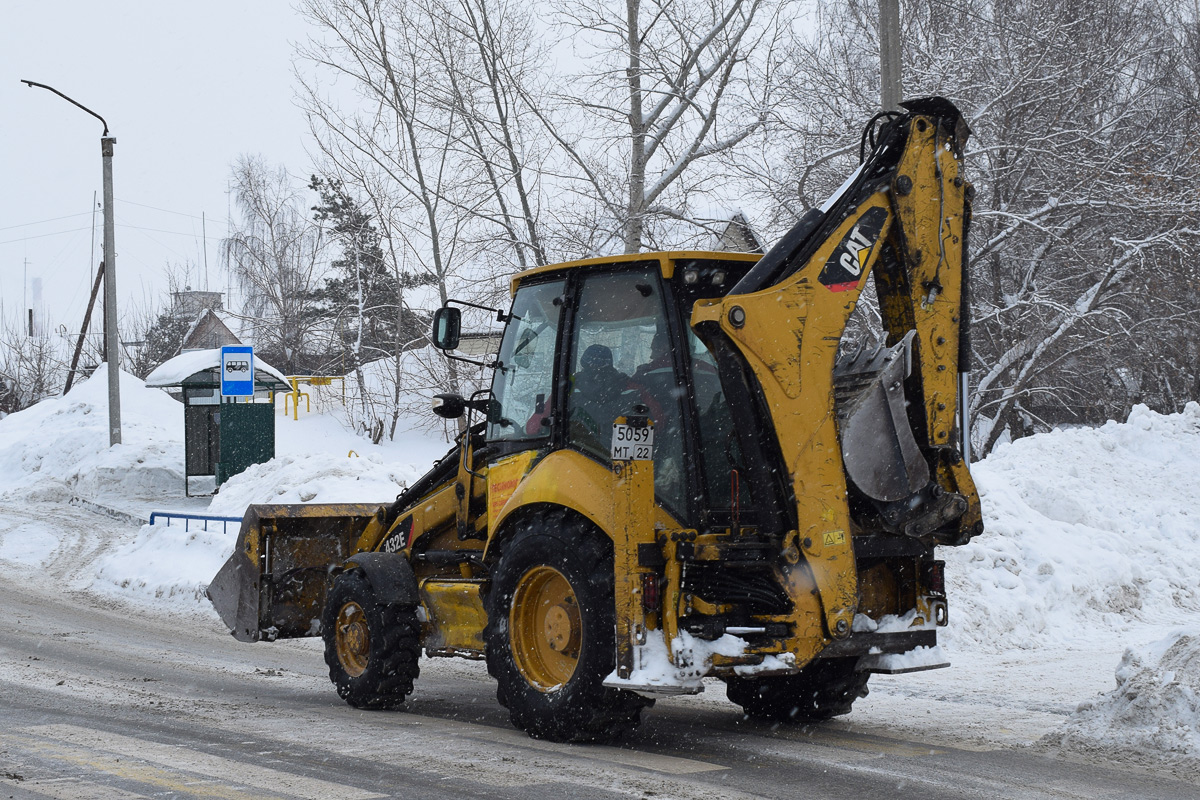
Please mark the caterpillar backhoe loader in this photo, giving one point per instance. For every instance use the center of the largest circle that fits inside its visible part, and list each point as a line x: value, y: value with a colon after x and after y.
x: 681, y: 471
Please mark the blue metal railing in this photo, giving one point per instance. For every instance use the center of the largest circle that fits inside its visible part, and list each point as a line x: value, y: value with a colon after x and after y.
x: 188, y: 518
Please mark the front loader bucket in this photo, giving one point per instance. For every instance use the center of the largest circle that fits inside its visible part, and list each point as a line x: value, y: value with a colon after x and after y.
x: 233, y: 592
x: 273, y: 585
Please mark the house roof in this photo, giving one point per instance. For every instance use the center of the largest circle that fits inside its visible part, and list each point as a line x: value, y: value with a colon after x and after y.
x: 221, y: 318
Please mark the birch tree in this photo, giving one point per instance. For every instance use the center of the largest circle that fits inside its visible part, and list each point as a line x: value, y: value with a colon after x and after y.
x: 668, y: 88
x: 398, y: 103
x: 275, y: 253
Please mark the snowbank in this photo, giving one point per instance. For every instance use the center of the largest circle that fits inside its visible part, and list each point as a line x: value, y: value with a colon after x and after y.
x: 1090, y: 535
x: 59, y: 447
x: 168, y: 563
x: 316, y: 478
x: 1154, y: 710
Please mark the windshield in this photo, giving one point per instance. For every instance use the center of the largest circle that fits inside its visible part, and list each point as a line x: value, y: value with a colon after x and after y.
x: 523, y: 384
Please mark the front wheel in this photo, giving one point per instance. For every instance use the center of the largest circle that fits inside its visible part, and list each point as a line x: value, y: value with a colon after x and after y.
x: 372, y: 648
x: 824, y: 689
x: 551, y: 633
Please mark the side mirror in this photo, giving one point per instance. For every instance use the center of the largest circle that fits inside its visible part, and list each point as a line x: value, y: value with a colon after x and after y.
x: 447, y: 326
x: 449, y: 406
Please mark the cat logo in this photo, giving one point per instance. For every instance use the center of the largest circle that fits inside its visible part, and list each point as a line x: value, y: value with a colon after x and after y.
x: 858, y: 248
x: 844, y: 268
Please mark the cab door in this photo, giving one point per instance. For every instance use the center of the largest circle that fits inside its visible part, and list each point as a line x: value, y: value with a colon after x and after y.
x: 624, y: 356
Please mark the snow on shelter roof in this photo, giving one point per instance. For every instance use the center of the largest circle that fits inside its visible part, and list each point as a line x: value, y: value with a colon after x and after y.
x: 175, y: 371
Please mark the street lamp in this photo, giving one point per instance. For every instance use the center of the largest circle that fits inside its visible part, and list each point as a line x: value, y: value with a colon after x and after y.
x: 110, y: 275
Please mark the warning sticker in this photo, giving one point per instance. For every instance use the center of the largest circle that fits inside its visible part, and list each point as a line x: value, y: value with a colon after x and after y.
x: 833, y: 538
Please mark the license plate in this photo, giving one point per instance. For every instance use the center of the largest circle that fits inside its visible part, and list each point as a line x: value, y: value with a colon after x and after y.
x: 632, y: 444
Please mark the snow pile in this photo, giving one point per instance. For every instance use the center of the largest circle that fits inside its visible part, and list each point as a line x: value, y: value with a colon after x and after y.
x: 1155, y: 708
x: 59, y: 447
x: 1090, y: 535
x: 173, y: 562
x: 315, y: 478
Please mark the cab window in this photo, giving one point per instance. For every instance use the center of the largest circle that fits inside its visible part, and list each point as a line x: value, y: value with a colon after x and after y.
x: 621, y: 358
x: 523, y: 384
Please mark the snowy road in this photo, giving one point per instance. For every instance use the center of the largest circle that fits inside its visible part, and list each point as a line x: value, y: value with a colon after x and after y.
x: 101, y: 699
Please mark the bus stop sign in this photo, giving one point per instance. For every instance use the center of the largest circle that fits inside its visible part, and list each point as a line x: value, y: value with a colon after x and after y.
x: 237, y: 371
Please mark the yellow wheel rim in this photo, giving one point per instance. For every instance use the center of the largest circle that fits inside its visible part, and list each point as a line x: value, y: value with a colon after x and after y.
x: 353, y: 639
x: 545, y: 628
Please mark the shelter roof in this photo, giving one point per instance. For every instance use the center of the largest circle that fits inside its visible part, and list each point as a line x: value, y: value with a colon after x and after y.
x: 203, y: 366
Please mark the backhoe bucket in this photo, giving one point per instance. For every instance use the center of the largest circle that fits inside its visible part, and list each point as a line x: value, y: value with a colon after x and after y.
x: 881, y: 456
x: 273, y: 585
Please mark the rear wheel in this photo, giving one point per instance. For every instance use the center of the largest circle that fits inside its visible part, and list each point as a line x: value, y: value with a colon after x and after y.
x: 372, y: 648
x: 824, y: 689
x: 550, y: 634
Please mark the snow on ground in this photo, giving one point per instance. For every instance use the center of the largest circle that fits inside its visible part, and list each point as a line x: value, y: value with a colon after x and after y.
x: 1091, y: 549
x: 58, y: 449
x: 1154, y: 709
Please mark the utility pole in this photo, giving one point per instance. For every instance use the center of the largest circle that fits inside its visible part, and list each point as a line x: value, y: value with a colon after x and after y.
x: 891, y: 90
x: 111, y: 342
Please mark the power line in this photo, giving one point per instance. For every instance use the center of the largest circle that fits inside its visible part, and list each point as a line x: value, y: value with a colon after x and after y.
x: 85, y: 213
x: 42, y: 221
x: 177, y: 233
x: 190, y: 234
x: 44, y: 235
x: 164, y: 210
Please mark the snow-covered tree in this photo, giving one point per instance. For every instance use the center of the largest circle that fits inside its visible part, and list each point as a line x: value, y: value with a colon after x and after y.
x: 665, y: 90
x: 1086, y: 216
x: 275, y: 253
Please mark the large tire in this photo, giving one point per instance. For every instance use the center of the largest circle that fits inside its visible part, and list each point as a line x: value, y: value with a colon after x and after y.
x: 372, y: 648
x: 824, y: 689
x: 551, y: 633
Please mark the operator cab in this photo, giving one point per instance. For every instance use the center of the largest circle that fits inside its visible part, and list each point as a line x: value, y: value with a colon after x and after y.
x: 591, y: 341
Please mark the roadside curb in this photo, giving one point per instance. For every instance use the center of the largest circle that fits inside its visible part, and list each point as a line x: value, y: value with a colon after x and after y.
x: 123, y: 516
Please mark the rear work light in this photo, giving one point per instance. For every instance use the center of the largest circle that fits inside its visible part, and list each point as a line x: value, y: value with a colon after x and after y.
x: 649, y: 591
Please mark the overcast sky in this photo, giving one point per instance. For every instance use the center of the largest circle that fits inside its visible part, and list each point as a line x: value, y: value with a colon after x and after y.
x: 185, y: 88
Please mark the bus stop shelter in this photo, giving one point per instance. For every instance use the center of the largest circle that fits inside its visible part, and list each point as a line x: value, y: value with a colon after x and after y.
x: 222, y: 435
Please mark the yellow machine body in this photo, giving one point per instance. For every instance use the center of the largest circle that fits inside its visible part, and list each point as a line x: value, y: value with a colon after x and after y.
x: 832, y: 552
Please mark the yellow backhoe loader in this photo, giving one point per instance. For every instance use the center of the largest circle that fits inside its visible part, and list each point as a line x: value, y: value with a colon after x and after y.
x: 681, y: 471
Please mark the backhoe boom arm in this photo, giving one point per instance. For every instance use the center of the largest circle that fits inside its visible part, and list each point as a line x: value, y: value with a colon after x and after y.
x: 902, y: 216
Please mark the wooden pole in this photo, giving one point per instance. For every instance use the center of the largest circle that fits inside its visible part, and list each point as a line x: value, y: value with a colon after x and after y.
x: 87, y: 318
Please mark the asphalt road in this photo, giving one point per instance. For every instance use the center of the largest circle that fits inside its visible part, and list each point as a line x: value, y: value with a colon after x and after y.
x: 102, y: 701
